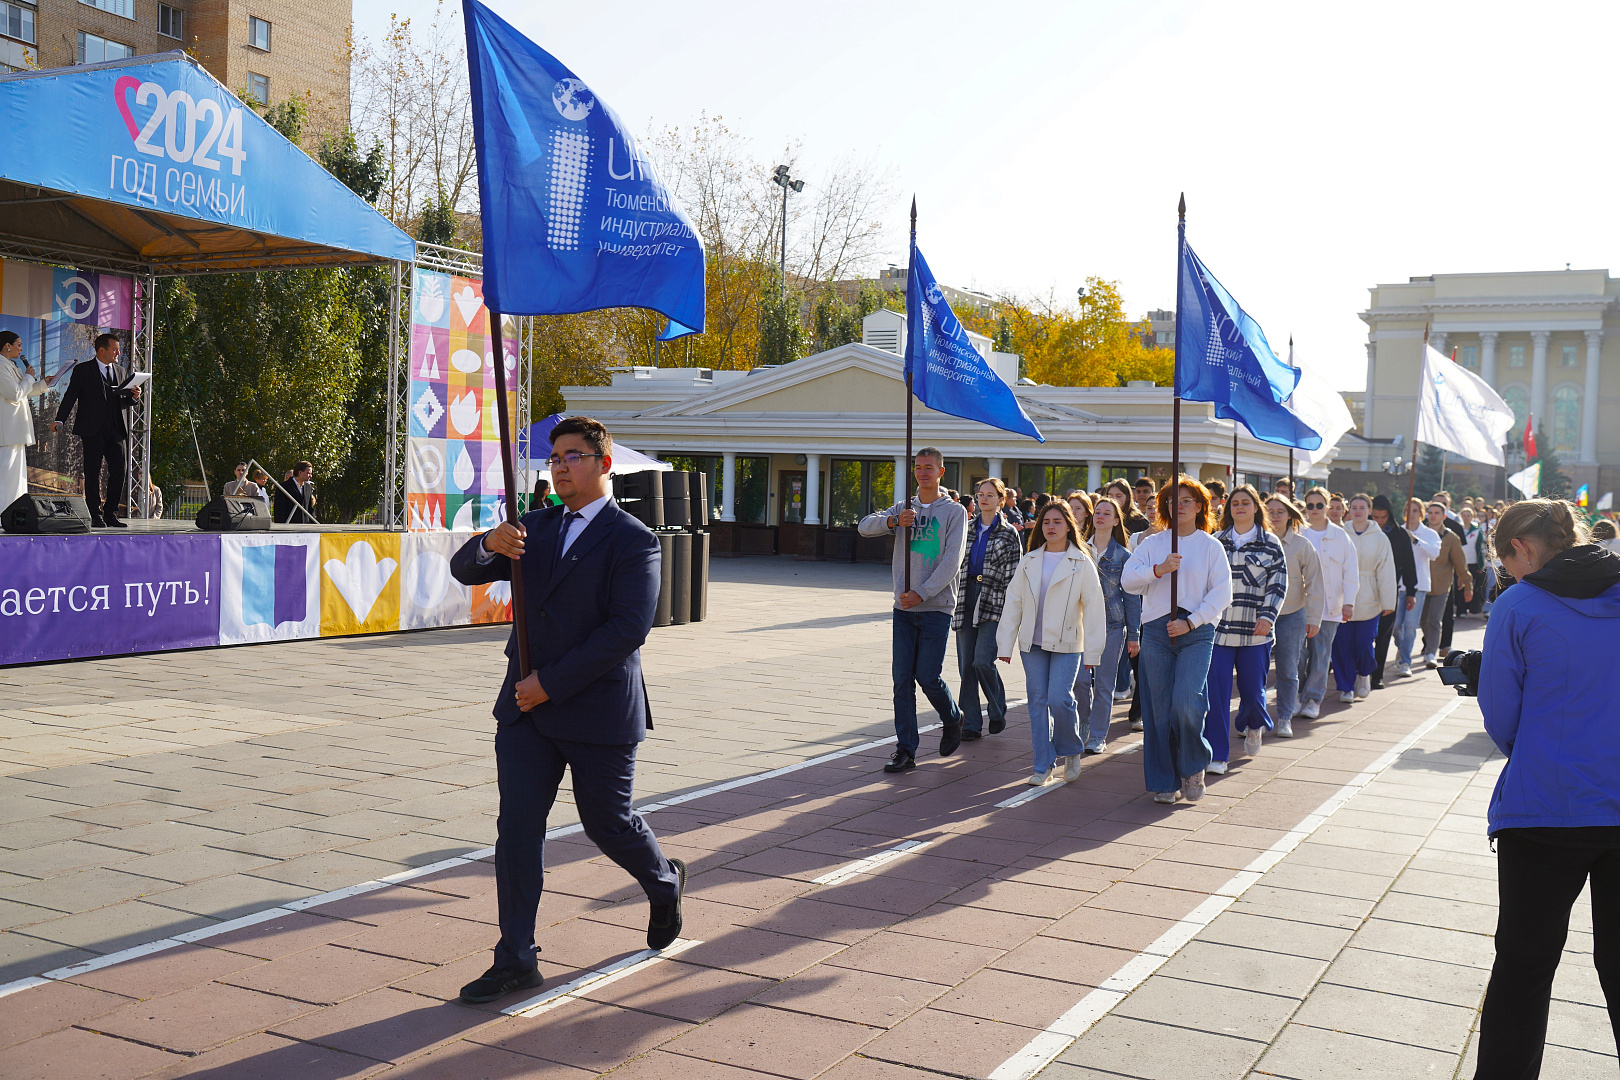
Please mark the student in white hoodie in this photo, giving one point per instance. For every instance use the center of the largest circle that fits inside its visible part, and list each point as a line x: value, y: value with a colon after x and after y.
x: 1055, y: 617
x: 1341, y: 577
x: 1354, y: 659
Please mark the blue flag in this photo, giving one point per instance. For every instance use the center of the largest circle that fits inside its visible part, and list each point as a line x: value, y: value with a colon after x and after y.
x: 673, y: 330
x: 947, y: 372
x: 1225, y: 359
x: 575, y: 219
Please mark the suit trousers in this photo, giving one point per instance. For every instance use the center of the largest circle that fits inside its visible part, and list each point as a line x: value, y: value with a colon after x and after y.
x: 115, y: 451
x: 529, y: 767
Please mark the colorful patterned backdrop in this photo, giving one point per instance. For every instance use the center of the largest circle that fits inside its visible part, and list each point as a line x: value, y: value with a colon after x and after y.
x: 453, y: 476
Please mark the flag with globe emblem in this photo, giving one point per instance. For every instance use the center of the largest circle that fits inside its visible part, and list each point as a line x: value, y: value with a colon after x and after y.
x: 947, y: 372
x: 575, y: 218
x: 1225, y: 359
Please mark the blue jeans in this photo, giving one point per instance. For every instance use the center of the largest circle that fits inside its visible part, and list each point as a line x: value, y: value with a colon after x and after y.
x: 1313, y: 664
x: 1173, y: 676
x: 976, y: 662
x: 1251, y: 662
x: 1406, y: 625
x: 1288, y: 647
x: 1122, y: 681
x: 1094, y: 724
x: 1054, y: 725
x: 919, y: 654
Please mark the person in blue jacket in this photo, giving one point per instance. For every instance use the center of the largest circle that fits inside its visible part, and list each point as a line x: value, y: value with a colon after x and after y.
x: 1547, y: 690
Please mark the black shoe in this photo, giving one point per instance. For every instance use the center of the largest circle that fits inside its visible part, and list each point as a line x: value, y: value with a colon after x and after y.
x: 96, y: 522
x: 664, y: 921
x: 901, y: 761
x: 497, y: 982
x: 969, y: 735
x: 114, y: 523
x: 998, y: 726
x: 949, y: 739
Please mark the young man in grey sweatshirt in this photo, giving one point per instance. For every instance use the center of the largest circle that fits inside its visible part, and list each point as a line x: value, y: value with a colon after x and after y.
x: 922, y: 614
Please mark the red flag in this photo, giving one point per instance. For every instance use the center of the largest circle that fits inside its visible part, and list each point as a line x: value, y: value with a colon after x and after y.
x: 1530, y: 437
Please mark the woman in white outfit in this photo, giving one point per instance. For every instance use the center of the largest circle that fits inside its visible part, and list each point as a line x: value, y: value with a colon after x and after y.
x: 1054, y: 616
x: 1341, y: 577
x: 16, y: 419
x: 1353, y: 659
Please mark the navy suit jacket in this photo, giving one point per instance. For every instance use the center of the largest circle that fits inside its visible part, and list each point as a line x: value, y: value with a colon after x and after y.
x: 101, y: 407
x: 587, y: 622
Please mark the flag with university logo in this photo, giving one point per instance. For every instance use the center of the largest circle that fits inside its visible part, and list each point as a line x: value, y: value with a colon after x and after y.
x: 1458, y: 411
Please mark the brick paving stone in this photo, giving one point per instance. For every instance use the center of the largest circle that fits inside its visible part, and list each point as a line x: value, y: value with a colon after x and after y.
x: 1066, y: 961
x: 841, y: 993
x: 680, y: 991
x: 1428, y: 942
x: 200, y: 1018
x: 1275, y: 935
x: 83, y: 1055
x: 1154, y: 1052
x: 231, y: 897
x: 286, y: 934
x: 427, y: 939
x: 166, y: 972
x: 584, y: 1034
x: 324, y: 975
x: 1307, y: 1053
x: 1022, y: 898
x: 385, y: 1025
x: 1245, y: 969
x: 754, y: 951
x: 933, y: 960
x: 783, y: 1043
x: 1218, y: 1010
x: 943, y: 1042
x: 830, y: 922
x: 865, y: 1068
x: 270, y: 1057
x: 1010, y: 997
x: 52, y: 1007
x: 118, y: 926
x: 21, y: 955
x: 473, y: 1061
x: 975, y: 926
x: 1388, y: 1014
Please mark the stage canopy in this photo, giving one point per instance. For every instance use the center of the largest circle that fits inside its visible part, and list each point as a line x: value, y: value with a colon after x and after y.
x: 151, y: 166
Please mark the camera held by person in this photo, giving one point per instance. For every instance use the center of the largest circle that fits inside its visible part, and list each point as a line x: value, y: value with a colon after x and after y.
x: 1461, y: 669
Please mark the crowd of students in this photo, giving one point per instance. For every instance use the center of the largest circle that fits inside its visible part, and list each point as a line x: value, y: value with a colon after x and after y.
x: 1268, y: 589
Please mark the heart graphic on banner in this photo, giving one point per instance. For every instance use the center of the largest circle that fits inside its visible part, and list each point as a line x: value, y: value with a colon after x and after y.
x: 360, y: 577
x: 464, y: 413
x: 465, y: 360
x: 468, y: 303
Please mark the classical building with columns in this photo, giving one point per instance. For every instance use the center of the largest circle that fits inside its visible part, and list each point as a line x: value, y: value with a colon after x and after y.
x: 797, y: 454
x: 1548, y: 341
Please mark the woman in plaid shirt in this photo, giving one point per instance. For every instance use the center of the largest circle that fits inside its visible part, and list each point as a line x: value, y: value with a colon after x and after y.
x: 1244, y: 637
x: 989, y: 559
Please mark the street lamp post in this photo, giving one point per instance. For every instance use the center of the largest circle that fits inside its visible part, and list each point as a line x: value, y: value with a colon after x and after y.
x: 784, y: 180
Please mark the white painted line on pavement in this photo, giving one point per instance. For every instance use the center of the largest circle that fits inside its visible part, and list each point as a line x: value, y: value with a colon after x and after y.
x: 611, y: 973
x: 870, y: 862
x: 1040, y: 1051
x: 1057, y: 785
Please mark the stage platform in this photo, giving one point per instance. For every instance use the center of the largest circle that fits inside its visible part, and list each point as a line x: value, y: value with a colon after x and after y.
x: 187, y: 527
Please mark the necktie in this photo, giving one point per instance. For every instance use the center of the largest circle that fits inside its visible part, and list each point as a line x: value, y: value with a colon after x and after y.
x: 562, y: 535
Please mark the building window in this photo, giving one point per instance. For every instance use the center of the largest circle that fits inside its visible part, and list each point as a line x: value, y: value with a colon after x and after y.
x: 94, y: 50
x: 258, y: 33
x: 1055, y: 480
x: 1569, y: 356
x: 1515, y: 356
x: 1470, y: 357
x: 259, y: 88
x: 1519, y: 401
x: 1567, y: 418
x: 17, y: 21
x: 858, y: 488
x: 753, y: 489
x: 171, y: 23
x: 126, y: 8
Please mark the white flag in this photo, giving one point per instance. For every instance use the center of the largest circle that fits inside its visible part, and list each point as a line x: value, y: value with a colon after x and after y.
x: 1458, y: 411
x: 1607, y: 502
x: 1527, y: 480
x: 1322, y: 408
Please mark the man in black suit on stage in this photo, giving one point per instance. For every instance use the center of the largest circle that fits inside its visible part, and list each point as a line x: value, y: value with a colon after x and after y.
x: 591, y: 574
x: 98, y: 388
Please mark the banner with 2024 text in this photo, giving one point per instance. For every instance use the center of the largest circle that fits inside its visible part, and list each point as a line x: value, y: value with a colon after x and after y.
x: 63, y: 597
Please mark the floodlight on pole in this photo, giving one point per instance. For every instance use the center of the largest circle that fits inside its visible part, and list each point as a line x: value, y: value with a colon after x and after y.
x: 783, y: 179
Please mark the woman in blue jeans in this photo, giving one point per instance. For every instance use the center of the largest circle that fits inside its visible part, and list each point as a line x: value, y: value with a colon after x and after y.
x: 1173, y: 668
x: 1300, y: 617
x: 1110, y: 545
x: 1054, y: 617
x: 989, y: 559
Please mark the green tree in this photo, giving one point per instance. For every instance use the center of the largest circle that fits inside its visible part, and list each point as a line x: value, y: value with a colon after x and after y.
x: 1554, y: 484
x: 438, y: 224
x: 363, y: 174
x: 782, y: 331
x: 1430, y: 468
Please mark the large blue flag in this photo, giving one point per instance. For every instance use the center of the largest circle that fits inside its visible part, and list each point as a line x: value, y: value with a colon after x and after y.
x: 1226, y: 359
x: 947, y: 372
x: 575, y: 219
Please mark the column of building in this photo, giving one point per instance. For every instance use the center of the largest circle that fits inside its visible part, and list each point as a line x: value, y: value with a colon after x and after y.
x: 812, y: 489
x: 1589, y: 401
x: 1538, y: 385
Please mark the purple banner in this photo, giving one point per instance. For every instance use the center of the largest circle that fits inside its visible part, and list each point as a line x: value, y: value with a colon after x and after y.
x: 71, y: 596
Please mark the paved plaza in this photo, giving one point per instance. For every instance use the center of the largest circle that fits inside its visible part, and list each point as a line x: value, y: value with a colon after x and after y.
x: 272, y: 861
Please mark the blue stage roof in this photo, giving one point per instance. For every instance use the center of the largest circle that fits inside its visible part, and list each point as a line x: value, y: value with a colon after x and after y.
x: 152, y: 164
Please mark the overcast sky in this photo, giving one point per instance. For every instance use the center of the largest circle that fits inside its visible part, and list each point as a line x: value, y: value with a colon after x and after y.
x: 1323, y: 148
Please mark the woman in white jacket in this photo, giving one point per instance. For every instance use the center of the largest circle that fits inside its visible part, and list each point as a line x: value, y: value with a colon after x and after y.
x: 16, y: 419
x: 1353, y: 659
x: 1341, y: 579
x: 1055, y: 616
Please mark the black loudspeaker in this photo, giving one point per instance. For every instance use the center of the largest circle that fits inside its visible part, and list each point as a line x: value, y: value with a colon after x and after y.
x: 680, y: 581
x: 700, y: 576
x: 47, y: 514
x: 641, y: 495
x: 676, y: 492
x: 697, y: 499
x: 226, y: 513
x: 666, y: 573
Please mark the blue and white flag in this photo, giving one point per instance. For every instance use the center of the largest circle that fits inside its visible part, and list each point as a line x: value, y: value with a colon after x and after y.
x: 947, y: 372
x: 1226, y: 359
x: 575, y: 219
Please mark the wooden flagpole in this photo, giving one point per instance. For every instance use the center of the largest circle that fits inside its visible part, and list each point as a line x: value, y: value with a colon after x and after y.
x: 1174, y: 502
x: 520, y: 611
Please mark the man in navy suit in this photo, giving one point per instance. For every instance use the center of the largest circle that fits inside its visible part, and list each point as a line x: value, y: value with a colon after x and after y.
x: 100, y: 390
x: 591, y: 579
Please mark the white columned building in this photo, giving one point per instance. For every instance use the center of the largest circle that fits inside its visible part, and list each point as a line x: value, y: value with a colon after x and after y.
x: 1487, y: 355
x: 1589, y: 415
x: 1538, y: 378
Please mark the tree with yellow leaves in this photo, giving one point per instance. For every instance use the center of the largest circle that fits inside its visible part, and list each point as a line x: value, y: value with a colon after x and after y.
x: 1094, y: 344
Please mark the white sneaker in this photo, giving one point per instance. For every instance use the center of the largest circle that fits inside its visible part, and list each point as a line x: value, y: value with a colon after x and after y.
x: 1348, y: 698
x: 1071, y: 771
x: 1216, y: 767
x: 1430, y: 662
x: 1039, y: 779
x: 1251, y: 741
x: 1165, y: 796
x: 1121, y: 695
x: 1192, y: 787
x: 1403, y: 669
x: 1313, y: 709
x: 1363, y: 686
x: 1284, y: 729
x: 1136, y: 725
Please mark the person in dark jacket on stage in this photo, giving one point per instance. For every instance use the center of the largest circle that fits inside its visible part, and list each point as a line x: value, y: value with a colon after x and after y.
x: 1546, y: 689
x: 590, y: 576
x: 100, y: 390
